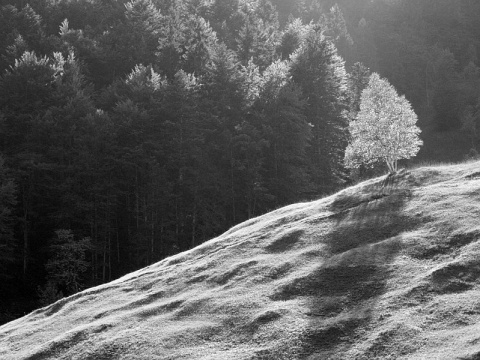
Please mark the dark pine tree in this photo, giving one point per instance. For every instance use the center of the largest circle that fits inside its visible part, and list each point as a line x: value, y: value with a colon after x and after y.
x: 320, y: 73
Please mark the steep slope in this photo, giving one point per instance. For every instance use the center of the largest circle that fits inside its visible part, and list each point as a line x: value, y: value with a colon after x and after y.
x: 386, y: 269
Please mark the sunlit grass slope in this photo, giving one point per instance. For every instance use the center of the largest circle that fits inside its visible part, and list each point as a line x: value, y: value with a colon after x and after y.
x: 387, y: 269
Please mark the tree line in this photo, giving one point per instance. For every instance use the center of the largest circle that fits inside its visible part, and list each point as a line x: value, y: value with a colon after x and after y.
x: 151, y: 133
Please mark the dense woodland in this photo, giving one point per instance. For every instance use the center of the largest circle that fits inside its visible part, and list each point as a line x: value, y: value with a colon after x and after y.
x: 133, y: 130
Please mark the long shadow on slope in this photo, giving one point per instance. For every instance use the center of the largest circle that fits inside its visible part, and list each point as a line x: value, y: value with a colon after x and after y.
x: 342, y: 292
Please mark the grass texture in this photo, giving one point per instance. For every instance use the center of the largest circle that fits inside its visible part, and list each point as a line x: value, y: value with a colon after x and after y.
x: 386, y: 269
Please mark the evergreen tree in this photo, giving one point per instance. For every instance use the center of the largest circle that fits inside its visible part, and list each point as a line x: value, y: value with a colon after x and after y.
x: 225, y: 20
x: 20, y: 30
x: 200, y: 44
x: 357, y: 81
x: 223, y: 101
x: 471, y: 127
x: 172, y: 40
x: 27, y: 90
x: 335, y: 25
x: 182, y: 147
x: 320, y: 73
x: 67, y: 262
x: 85, y: 49
x: 45, y: 101
x: 7, y: 206
x: 292, y: 37
x: 445, y: 99
x: 258, y: 35
x: 131, y: 39
x: 280, y: 109
x: 144, y: 24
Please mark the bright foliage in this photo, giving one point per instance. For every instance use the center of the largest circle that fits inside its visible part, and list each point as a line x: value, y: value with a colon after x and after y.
x: 384, y: 128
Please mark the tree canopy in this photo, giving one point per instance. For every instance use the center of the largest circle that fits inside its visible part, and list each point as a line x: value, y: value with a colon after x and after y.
x: 384, y: 129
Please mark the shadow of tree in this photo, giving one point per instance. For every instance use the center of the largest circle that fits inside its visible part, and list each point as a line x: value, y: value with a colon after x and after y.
x: 371, y: 221
x: 343, y: 291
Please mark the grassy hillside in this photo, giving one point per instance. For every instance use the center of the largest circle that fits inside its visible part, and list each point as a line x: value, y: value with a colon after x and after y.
x: 386, y: 269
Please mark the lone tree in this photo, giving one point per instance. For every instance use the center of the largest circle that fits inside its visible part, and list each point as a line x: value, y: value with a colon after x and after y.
x: 384, y: 128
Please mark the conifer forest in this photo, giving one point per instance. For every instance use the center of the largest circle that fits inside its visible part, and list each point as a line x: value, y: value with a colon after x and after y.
x: 134, y: 130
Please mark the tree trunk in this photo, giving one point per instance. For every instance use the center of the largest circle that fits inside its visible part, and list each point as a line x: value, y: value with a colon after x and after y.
x: 25, y: 234
x: 152, y: 237
x: 95, y: 242
x: 390, y: 165
x: 118, y: 244
x: 25, y: 245
x: 194, y: 222
x: 104, y: 269
x: 232, y: 189
x: 109, y: 255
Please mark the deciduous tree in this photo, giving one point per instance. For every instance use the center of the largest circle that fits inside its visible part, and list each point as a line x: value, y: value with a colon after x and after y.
x: 67, y: 262
x: 384, y: 128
